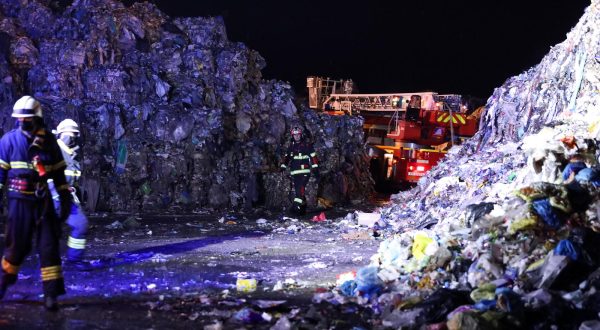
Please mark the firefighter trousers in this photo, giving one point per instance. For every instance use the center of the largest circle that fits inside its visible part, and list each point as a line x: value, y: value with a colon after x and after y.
x: 26, y: 218
x: 78, y: 223
x: 300, y: 182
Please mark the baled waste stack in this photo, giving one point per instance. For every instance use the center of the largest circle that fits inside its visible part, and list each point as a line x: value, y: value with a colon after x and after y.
x: 174, y: 116
x: 506, y: 231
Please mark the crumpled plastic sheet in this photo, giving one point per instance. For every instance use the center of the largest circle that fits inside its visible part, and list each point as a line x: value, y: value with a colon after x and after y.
x: 566, y: 248
x: 368, y: 282
x: 543, y: 208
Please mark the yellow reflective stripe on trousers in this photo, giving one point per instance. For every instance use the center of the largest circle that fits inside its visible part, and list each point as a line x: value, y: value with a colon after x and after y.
x: 21, y: 165
x: 51, y: 273
x: 298, y: 200
x: 76, y: 243
x: 306, y: 170
x: 9, y: 268
x: 25, y: 192
x: 4, y: 165
x: 301, y: 157
x: 315, y: 165
x: 72, y: 173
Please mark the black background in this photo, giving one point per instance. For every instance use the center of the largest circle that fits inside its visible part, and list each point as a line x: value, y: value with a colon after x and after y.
x: 464, y: 47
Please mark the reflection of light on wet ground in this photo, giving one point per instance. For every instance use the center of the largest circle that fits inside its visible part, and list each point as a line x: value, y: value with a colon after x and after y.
x: 167, y: 249
x: 185, y: 257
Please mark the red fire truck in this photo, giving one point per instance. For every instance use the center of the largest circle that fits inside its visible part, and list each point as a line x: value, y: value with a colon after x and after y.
x: 407, y: 133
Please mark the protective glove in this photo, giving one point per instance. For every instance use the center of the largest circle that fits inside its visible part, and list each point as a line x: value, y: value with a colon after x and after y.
x: 75, y: 200
x: 65, y: 206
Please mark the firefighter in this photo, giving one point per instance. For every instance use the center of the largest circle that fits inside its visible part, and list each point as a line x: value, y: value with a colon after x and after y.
x: 67, y: 133
x: 29, y: 156
x: 301, y: 160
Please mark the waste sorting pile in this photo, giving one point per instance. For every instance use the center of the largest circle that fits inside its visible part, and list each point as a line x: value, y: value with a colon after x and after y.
x: 504, y: 232
x: 174, y: 116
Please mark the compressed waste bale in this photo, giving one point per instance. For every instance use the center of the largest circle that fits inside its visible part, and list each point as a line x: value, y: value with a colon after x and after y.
x: 174, y: 115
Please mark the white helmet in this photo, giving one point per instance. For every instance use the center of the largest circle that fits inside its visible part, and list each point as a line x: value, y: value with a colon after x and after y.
x: 26, y: 107
x: 67, y: 125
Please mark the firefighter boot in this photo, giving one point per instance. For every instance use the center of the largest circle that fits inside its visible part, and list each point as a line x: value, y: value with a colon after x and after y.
x: 80, y: 265
x: 5, y: 281
x: 302, y: 209
x: 50, y: 303
x: 3, y: 288
x: 296, y: 209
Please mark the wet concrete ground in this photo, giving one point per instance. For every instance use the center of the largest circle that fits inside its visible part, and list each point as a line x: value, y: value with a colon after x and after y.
x: 166, y: 272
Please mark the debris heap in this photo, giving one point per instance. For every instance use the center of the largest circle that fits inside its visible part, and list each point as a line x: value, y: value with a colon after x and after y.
x: 175, y: 117
x: 504, y: 232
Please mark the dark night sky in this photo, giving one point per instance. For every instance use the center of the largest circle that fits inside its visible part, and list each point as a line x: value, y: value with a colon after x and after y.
x: 463, y: 46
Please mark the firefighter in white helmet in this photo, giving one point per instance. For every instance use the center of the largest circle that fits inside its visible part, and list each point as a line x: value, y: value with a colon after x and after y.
x: 67, y: 133
x: 29, y: 156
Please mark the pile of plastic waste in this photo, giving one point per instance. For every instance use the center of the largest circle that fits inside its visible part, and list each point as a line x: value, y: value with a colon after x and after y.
x: 504, y: 232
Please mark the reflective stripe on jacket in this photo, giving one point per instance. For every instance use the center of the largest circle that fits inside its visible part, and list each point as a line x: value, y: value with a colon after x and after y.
x: 73, y: 170
x: 16, y: 166
x: 301, y: 158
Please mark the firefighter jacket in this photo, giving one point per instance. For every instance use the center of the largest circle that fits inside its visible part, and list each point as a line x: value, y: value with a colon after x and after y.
x: 301, y: 158
x: 17, y: 169
x: 73, y: 170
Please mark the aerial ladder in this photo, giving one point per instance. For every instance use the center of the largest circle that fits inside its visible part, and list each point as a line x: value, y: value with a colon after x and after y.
x: 408, y: 131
